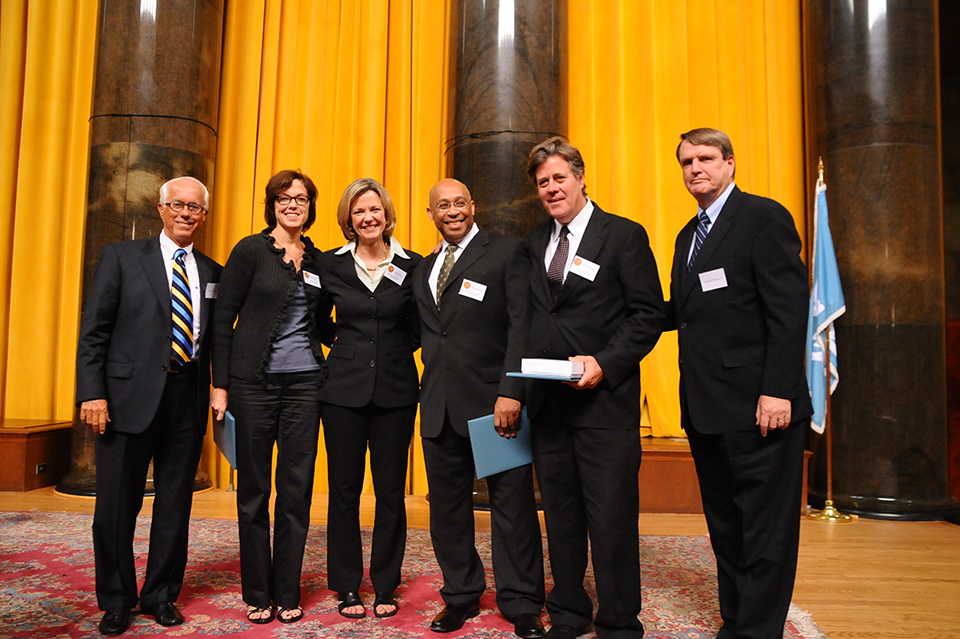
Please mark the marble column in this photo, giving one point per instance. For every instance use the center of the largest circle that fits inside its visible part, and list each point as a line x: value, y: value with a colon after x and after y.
x: 156, y: 98
x: 872, y: 98
x: 507, y: 97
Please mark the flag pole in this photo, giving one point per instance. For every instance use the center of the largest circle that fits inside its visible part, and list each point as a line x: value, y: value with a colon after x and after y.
x: 829, y: 512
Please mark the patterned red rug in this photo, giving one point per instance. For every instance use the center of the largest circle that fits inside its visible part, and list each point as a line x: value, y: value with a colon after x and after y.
x: 47, y: 577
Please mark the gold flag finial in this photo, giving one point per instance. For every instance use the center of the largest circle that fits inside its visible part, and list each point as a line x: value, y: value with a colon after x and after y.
x: 820, y: 171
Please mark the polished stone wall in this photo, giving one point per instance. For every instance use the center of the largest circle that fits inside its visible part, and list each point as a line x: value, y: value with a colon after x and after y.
x: 873, y: 98
x: 507, y: 97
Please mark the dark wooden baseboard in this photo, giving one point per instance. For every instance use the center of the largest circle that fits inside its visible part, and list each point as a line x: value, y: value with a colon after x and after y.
x: 668, y: 477
x: 33, y: 453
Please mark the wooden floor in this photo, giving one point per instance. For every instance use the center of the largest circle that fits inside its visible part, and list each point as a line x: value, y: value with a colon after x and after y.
x: 861, y: 579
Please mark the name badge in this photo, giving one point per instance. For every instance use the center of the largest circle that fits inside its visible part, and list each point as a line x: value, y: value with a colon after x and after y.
x: 311, y: 279
x: 395, y: 274
x: 584, y: 268
x: 712, y: 280
x: 473, y: 290
x: 212, y: 289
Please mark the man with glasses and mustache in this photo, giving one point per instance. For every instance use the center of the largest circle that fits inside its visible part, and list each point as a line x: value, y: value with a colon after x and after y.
x: 143, y: 387
x: 474, y: 316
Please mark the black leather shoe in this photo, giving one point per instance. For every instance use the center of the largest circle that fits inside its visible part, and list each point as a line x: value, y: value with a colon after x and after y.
x: 453, y: 616
x: 115, y: 621
x: 528, y: 626
x: 563, y: 632
x: 164, y: 613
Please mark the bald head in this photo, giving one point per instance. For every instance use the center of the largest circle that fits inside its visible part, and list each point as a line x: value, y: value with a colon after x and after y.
x: 451, y: 209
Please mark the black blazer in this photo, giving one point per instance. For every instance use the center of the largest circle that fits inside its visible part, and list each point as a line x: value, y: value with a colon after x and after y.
x: 745, y: 339
x: 617, y: 318
x: 124, y: 346
x: 469, y: 345
x: 376, y: 335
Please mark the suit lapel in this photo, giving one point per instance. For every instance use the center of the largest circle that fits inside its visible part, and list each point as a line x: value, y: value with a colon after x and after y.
x: 714, y: 238
x: 593, y: 238
x: 473, y: 252
x: 423, y: 281
x: 346, y: 268
x: 152, y: 261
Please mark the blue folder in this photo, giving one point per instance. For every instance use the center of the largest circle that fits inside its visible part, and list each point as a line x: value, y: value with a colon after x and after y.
x: 225, y: 436
x: 494, y: 454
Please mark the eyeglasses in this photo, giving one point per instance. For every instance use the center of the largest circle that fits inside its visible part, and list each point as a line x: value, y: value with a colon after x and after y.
x: 443, y: 207
x: 283, y: 200
x: 178, y: 206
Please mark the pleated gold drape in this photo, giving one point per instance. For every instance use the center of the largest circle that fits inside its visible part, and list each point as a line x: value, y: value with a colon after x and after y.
x: 349, y: 89
x: 46, y: 85
x: 341, y: 90
x: 641, y: 73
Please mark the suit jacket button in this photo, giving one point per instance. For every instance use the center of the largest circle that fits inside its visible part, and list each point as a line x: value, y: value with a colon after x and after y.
x: 373, y: 341
x: 372, y: 363
x: 683, y: 324
x: 443, y: 336
x: 552, y: 315
x: 164, y: 367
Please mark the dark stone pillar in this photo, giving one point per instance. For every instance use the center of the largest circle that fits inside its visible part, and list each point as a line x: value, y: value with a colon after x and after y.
x: 950, y: 132
x: 507, y: 98
x: 156, y: 98
x: 872, y: 84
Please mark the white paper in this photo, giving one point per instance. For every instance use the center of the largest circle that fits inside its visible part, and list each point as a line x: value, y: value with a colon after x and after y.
x: 584, y: 268
x: 395, y: 274
x: 312, y: 279
x: 712, y: 280
x: 473, y: 290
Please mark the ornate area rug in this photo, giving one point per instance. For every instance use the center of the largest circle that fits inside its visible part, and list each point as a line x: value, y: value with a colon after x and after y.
x: 47, y: 587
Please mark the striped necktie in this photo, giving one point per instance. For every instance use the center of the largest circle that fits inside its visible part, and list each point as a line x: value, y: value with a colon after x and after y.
x: 702, y: 229
x: 182, y: 310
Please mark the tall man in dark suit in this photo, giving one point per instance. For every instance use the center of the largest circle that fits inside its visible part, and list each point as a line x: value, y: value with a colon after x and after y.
x: 143, y: 380
x: 475, y: 318
x: 739, y: 300
x: 596, y: 299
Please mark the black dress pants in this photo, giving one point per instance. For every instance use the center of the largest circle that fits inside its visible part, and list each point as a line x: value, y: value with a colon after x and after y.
x: 588, y: 484
x: 347, y: 432
x: 517, y: 546
x: 173, y: 440
x: 284, y: 410
x: 751, y: 487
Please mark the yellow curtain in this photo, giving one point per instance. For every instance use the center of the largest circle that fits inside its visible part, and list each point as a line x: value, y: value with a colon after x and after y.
x: 341, y: 90
x: 642, y: 72
x: 46, y: 73
x: 350, y: 89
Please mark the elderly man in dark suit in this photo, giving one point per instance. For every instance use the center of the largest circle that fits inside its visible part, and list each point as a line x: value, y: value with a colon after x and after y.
x: 474, y: 315
x: 739, y: 300
x: 143, y: 380
x: 596, y: 299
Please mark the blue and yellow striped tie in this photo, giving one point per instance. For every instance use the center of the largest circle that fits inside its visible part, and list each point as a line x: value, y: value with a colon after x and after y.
x: 182, y: 310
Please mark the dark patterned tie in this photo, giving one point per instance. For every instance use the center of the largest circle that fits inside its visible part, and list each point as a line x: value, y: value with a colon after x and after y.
x: 445, y: 269
x: 559, y: 261
x: 702, y: 228
x: 182, y: 310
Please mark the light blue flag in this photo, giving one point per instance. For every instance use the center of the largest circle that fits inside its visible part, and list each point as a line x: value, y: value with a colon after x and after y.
x: 826, y: 305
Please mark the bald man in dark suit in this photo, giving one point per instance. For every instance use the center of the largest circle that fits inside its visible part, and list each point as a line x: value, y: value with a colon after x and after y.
x: 474, y: 318
x: 739, y: 299
x: 143, y: 386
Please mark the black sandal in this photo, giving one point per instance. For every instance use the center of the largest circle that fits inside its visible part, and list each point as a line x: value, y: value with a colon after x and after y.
x: 259, y: 611
x: 294, y: 619
x: 385, y: 599
x: 349, y: 600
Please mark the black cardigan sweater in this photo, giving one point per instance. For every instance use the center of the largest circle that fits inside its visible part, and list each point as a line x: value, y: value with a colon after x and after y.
x: 255, y: 288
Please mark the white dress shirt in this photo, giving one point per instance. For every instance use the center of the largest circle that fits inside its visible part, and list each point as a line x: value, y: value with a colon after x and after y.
x: 167, y: 248
x: 461, y: 245
x: 576, y: 229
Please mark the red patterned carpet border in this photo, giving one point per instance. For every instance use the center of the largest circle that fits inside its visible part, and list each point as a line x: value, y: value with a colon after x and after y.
x: 47, y: 577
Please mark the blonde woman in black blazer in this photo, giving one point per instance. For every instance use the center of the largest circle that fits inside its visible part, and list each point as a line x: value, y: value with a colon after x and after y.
x: 370, y: 399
